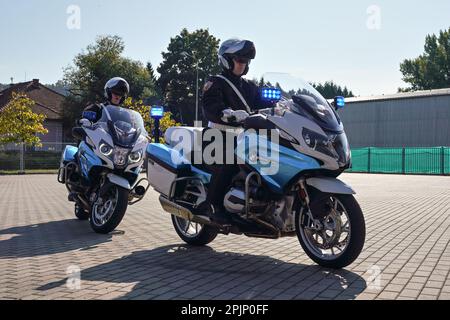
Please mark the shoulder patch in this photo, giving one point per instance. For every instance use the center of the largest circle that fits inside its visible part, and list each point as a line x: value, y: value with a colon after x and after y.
x: 207, y: 86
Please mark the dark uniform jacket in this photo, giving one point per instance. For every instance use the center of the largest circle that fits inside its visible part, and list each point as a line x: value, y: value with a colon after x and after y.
x: 218, y: 96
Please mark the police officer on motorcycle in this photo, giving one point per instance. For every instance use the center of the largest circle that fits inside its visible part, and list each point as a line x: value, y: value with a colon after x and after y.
x: 228, y: 99
x: 116, y: 91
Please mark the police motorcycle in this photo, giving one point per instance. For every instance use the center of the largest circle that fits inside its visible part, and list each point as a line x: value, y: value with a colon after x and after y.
x: 288, y: 182
x: 102, y: 173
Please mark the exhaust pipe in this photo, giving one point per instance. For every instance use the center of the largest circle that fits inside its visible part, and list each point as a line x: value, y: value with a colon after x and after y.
x: 184, y: 213
x: 140, y: 191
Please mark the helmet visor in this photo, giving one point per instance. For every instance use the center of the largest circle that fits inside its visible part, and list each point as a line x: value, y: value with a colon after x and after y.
x: 120, y: 90
x: 241, y: 60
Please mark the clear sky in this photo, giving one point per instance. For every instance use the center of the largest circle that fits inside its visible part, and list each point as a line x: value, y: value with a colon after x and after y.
x: 350, y: 42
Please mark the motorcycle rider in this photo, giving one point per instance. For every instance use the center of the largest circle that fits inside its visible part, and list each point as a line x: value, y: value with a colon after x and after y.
x: 225, y: 110
x: 116, y: 91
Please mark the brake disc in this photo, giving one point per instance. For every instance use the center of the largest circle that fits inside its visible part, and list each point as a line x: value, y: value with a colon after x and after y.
x: 332, y: 223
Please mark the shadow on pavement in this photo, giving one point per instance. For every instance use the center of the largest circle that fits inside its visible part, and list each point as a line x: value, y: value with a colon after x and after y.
x: 185, y: 272
x: 48, y: 238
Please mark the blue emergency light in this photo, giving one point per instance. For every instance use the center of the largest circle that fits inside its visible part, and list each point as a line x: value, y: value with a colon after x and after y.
x: 271, y: 94
x: 90, y: 115
x: 339, y: 102
x: 157, y: 112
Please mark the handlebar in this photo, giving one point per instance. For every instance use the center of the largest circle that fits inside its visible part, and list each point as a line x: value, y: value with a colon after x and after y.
x: 267, y: 110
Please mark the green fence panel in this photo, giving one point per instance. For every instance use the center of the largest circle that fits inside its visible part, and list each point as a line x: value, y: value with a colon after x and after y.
x: 433, y: 161
x: 446, y: 160
x: 386, y: 160
x: 423, y: 160
x: 360, y: 160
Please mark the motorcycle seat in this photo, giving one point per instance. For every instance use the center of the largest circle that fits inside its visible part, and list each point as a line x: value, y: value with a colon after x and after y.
x: 188, y: 141
x: 167, y: 157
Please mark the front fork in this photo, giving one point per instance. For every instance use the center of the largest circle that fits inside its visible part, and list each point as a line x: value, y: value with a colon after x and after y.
x: 311, y: 223
x: 136, y: 191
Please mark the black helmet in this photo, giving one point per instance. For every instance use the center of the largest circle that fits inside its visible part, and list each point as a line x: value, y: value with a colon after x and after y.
x: 118, y: 86
x: 236, y: 49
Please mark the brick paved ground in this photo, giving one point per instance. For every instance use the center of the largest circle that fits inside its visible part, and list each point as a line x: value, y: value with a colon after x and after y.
x: 408, y: 234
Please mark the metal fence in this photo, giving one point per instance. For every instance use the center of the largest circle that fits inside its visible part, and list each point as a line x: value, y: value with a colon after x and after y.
x: 433, y: 161
x: 20, y: 158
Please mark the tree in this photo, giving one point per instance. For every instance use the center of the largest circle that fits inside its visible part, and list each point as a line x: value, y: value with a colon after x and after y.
x: 155, y: 96
x: 431, y: 70
x: 329, y: 90
x: 19, y: 124
x: 178, y: 71
x: 151, y: 72
x: 92, y: 68
x: 59, y: 87
x: 139, y: 106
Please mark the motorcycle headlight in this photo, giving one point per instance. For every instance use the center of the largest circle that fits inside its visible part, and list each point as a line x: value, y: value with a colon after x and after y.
x: 120, y: 156
x: 319, y: 143
x: 106, y: 149
x: 135, y: 157
x: 286, y: 136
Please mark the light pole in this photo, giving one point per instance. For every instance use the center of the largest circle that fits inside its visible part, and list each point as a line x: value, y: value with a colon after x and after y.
x: 157, y: 112
x: 184, y: 53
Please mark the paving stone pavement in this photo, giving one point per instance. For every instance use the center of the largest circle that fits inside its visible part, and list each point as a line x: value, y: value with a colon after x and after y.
x: 42, y: 247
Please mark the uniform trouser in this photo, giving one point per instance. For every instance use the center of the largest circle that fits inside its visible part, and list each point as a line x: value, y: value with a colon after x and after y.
x: 221, y: 173
x: 221, y: 178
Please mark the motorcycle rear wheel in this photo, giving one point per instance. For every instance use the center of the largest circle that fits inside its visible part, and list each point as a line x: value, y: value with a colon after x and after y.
x: 193, y: 233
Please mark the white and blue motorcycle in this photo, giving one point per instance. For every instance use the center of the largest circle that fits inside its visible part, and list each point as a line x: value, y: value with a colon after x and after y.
x: 101, y: 174
x: 287, y: 184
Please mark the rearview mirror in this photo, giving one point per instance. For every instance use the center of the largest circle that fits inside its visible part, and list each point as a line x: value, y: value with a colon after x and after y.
x: 78, y: 133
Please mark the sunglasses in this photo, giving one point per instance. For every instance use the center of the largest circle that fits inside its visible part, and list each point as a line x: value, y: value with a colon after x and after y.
x: 242, y: 60
x: 119, y: 94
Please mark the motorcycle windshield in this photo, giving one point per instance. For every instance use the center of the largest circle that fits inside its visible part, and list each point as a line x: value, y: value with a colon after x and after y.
x: 300, y: 97
x: 124, y: 125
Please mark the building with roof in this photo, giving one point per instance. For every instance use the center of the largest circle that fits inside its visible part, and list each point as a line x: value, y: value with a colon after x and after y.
x: 47, y: 102
x: 415, y: 119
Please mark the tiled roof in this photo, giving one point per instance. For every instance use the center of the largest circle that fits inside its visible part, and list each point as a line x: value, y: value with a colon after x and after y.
x: 48, y: 101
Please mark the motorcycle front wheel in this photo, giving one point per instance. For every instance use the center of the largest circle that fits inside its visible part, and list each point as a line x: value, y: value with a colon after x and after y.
x: 335, y: 239
x: 107, y: 212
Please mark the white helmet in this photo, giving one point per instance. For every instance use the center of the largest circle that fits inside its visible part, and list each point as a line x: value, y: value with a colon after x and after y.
x: 118, y: 86
x: 243, y: 50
